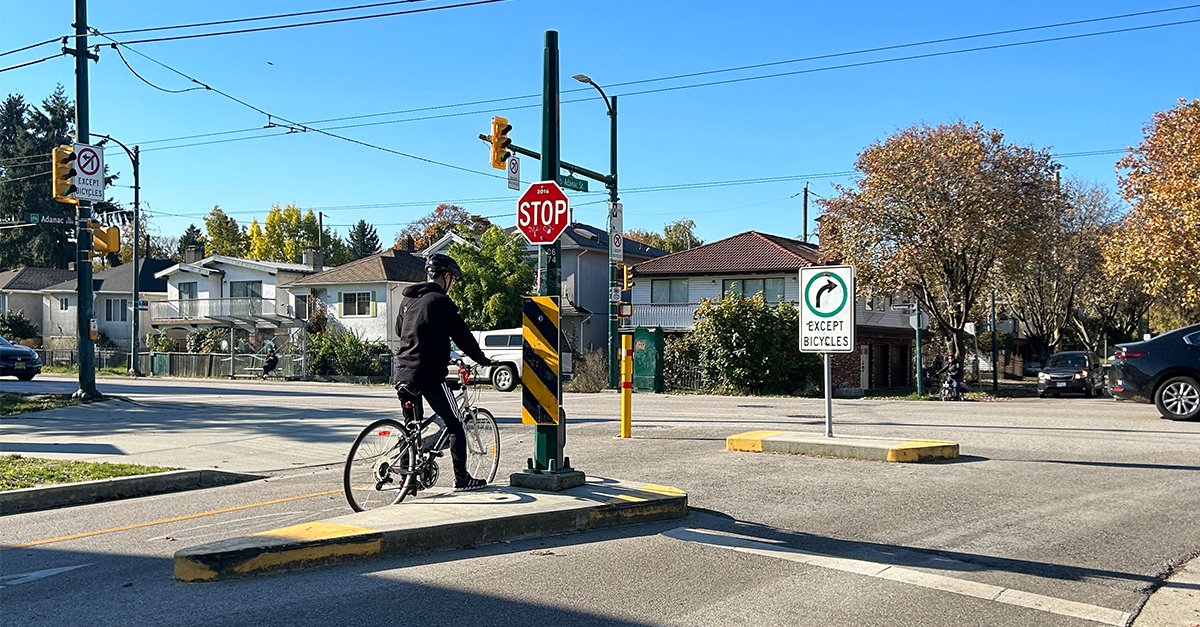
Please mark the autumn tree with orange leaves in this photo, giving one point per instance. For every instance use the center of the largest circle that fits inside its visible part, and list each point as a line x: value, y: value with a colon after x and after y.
x: 935, y: 212
x: 443, y: 219
x: 1158, y: 242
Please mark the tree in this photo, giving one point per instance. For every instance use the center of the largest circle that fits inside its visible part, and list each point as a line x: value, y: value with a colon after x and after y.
x: 1046, y: 287
x: 1158, y: 242
x: 192, y: 236
x: 935, y: 211
x: 443, y: 219
x: 224, y: 237
x: 676, y: 236
x: 27, y: 135
x: 496, y: 277
x: 15, y: 326
x: 286, y: 234
x: 362, y: 241
x: 256, y: 242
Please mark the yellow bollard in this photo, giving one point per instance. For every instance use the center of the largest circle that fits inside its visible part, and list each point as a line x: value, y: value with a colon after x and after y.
x: 626, y: 385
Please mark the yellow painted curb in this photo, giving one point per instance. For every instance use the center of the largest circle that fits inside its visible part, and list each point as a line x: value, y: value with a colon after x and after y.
x: 749, y: 441
x: 270, y: 550
x: 921, y: 450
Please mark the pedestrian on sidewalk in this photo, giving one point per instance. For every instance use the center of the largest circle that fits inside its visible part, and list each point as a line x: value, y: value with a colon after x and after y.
x: 270, y: 364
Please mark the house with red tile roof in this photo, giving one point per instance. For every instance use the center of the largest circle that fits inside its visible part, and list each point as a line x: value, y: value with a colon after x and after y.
x: 667, y: 290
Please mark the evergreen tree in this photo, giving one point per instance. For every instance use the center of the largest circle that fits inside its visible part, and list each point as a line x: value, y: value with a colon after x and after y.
x: 362, y: 241
x: 192, y: 236
x: 27, y: 135
x: 225, y: 237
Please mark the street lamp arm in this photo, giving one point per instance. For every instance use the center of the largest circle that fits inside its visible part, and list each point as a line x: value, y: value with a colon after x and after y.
x: 129, y: 152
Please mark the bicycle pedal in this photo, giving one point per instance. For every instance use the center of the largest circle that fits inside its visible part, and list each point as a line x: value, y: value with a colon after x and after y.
x: 435, y: 453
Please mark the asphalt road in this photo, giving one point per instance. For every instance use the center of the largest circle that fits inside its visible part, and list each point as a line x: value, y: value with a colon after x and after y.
x: 1073, y: 507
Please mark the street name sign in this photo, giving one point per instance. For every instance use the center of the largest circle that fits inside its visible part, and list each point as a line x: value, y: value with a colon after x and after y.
x: 543, y: 212
x: 89, y: 172
x: 578, y: 185
x: 827, y: 323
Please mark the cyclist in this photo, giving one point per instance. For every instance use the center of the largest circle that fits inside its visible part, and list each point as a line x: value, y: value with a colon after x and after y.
x: 954, y: 373
x: 426, y: 323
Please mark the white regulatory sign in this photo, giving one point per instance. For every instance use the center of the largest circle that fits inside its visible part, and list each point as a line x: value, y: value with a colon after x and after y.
x: 89, y: 172
x: 617, y: 231
x: 514, y: 173
x: 827, y: 323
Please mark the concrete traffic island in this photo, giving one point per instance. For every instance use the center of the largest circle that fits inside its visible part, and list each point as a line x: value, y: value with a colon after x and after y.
x: 430, y: 522
x: 851, y: 447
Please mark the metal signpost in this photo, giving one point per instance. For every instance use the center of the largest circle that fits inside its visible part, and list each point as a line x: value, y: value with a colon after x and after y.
x: 827, y: 320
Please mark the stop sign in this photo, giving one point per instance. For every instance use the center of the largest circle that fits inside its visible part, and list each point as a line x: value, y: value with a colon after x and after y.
x: 543, y: 212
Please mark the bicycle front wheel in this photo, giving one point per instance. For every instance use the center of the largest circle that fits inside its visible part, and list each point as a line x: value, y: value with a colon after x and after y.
x: 483, y: 444
x: 379, y: 466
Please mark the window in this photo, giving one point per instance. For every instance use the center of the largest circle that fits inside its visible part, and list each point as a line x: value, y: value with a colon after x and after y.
x: 516, y: 340
x: 64, y: 304
x: 188, y: 291
x: 116, y: 309
x: 356, y: 304
x: 244, y: 289
x: 301, y: 306
x: 669, y: 291
x: 771, y: 288
x: 495, y: 340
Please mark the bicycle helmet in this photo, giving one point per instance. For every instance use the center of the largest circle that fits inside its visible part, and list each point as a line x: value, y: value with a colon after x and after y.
x: 438, y: 264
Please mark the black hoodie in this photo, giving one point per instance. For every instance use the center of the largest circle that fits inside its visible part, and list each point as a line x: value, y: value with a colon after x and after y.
x: 427, y: 321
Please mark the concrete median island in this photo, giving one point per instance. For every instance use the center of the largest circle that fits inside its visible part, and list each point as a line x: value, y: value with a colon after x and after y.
x: 851, y: 447
x: 430, y: 522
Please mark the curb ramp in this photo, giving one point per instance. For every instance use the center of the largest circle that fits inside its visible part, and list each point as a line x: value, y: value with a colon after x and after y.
x: 431, y: 522
x: 851, y: 447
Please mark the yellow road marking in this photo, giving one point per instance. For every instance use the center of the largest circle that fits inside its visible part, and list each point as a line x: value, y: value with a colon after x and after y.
x: 749, y: 441
x: 160, y: 522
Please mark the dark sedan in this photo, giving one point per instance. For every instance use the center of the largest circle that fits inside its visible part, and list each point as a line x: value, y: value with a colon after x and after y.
x: 1163, y: 370
x: 18, y: 361
x: 1077, y: 371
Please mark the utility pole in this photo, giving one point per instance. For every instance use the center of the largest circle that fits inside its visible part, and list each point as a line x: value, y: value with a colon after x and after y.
x: 804, y: 229
x: 135, y: 159
x: 995, y: 349
x: 320, y: 232
x: 550, y: 438
x: 614, y: 331
x: 83, y: 233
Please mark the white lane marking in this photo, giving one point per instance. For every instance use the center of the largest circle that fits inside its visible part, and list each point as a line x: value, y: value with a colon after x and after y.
x: 905, y: 575
x: 19, y: 578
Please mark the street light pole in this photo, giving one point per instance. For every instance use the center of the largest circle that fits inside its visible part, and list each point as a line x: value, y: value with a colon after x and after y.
x: 135, y: 340
x: 614, y: 338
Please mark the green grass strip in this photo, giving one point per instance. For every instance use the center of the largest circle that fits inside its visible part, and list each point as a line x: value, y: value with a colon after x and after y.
x: 31, y: 472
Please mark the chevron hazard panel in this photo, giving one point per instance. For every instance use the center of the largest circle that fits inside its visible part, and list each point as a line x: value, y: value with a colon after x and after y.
x: 541, y: 388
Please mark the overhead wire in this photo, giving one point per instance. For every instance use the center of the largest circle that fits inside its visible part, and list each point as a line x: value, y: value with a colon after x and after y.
x: 34, y: 62
x: 278, y: 16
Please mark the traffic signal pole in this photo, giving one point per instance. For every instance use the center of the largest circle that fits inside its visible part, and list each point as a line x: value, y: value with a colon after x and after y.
x: 83, y: 234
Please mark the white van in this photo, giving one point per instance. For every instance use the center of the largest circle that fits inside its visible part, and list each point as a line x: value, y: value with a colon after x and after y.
x: 505, y: 346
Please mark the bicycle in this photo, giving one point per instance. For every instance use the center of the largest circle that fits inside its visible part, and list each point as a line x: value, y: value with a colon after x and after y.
x: 390, y: 460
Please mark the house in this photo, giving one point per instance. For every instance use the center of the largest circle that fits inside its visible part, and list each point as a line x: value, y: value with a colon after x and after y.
x: 584, y: 274
x: 667, y: 290
x: 113, y: 304
x: 362, y: 295
x: 21, y: 290
x: 244, y: 295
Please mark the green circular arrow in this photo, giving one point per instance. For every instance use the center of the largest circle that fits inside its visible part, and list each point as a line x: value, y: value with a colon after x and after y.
x: 808, y: 302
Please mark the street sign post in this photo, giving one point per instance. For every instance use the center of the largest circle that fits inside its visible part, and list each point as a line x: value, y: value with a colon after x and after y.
x: 514, y: 173
x: 827, y: 320
x: 89, y: 173
x: 543, y: 212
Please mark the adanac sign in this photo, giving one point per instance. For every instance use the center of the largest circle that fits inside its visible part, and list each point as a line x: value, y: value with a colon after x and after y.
x: 827, y: 322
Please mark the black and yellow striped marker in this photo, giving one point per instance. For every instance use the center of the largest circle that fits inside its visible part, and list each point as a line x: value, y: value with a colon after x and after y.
x: 541, y: 386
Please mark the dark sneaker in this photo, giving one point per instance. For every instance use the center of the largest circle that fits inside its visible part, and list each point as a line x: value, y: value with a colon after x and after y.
x: 464, y: 484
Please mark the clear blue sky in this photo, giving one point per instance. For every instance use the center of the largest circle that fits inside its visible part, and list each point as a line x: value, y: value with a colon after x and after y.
x: 1089, y: 94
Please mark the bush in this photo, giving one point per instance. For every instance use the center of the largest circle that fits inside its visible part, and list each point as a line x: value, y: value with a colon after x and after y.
x: 748, y: 346
x: 161, y: 343
x: 15, y: 326
x: 591, y: 372
x: 208, y: 340
x: 345, y: 353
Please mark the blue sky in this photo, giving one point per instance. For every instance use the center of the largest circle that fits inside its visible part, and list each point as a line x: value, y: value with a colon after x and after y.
x: 1087, y: 94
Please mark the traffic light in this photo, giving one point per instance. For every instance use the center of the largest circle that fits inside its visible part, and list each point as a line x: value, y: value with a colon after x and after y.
x: 626, y: 271
x: 63, y: 158
x: 500, y: 141
x: 625, y: 310
x: 106, y: 240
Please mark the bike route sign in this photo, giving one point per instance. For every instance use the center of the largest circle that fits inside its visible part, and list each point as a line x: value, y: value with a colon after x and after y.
x: 827, y: 321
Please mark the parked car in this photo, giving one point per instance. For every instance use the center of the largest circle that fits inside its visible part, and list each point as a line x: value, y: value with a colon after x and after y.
x: 1164, y: 370
x: 506, y: 347
x: 18, y: 361
x: 1075, y: 371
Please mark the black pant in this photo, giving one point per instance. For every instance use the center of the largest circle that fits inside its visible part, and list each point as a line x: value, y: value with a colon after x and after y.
x: 441, y: 402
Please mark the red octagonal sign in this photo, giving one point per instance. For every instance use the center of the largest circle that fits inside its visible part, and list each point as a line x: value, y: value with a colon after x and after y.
x: 543, y: 212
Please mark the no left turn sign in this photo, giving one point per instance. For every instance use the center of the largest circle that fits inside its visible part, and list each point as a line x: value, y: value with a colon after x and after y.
x: 89, y: 172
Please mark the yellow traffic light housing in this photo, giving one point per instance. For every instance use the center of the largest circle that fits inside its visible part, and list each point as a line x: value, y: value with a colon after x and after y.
x: 106, y: 240
x: 63, y: 161
x: 626, y: 276
x: 500, y: 142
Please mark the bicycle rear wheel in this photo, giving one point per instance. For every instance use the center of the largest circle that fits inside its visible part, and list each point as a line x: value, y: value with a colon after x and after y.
x: 379, y: 467
x: 483, y: 444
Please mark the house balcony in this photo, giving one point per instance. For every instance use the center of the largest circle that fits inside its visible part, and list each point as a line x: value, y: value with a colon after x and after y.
x: 669, y: 316
x: 236, y: 312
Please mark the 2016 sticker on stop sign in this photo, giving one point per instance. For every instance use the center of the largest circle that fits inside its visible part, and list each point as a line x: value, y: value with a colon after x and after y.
x: 543, y: 212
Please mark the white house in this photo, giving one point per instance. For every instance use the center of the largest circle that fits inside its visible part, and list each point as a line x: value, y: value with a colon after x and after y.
x: 362, y: 295
x: 21, y: 291
x: 667, y: 291
x: 113, y: 304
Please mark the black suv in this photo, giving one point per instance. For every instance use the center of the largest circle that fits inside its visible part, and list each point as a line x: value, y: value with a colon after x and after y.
x: 1163, y: 370
x: 1077, y: 371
